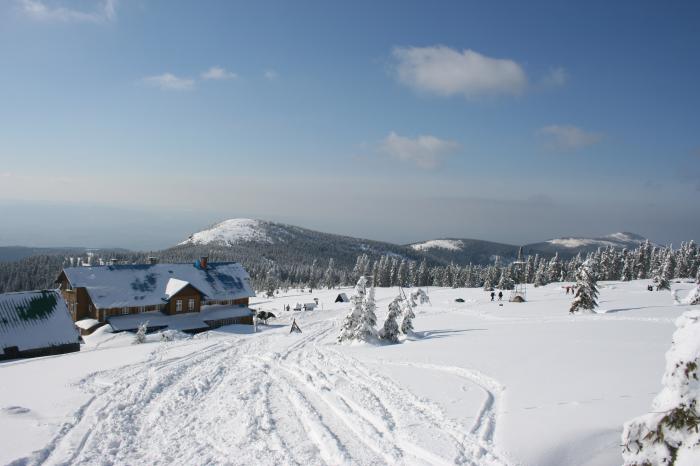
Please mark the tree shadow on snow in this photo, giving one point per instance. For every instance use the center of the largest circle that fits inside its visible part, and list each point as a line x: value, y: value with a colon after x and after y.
x: 430, y: 334
x: 623, y: 309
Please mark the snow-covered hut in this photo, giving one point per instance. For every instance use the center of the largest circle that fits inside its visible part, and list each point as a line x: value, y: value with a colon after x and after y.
x: 36, y: 323
x: 178, y: 296
x: 342, y: 298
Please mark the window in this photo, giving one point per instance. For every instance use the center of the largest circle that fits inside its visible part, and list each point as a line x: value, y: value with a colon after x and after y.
x: 190, y: 304
x: 178, y: 305
x: 125, y: 310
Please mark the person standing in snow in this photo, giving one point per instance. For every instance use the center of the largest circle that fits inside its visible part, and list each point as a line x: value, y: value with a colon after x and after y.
x: 500, y: 295
x: 493, y: 295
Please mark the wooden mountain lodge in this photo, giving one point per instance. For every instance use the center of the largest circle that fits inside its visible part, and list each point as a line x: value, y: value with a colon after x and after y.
x: 187, y: 297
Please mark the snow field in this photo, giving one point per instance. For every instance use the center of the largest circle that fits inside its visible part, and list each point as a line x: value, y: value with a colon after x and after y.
x: 479, y: 384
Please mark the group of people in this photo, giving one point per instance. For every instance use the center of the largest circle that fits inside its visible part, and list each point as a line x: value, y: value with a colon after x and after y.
x: 571, y: 289
x: 500, y: 295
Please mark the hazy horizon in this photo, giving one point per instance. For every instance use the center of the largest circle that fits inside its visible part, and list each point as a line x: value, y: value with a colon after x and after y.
x: 159, y: 230
x: 134, y: 123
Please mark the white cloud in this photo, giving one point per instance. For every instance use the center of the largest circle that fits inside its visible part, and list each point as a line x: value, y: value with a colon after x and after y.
x: 445, y: 71
x: 424, y: 151
x: 39, y: 10
x: 169, y: 82
x: 567, y: 137
x: 218, y: 73
x: 270, y: 75
x: 555, y: 77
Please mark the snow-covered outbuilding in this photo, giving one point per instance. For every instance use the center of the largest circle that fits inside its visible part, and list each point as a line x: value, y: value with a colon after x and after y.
x: 36, y: 323
x: 106, y: 293
x: 342, y: 298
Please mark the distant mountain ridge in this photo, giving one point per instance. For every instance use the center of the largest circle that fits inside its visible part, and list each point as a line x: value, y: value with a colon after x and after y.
x: 571, y: 246
x: 278, y: 241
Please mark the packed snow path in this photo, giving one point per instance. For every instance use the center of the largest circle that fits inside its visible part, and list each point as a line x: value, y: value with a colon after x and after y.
x: 272, y: 398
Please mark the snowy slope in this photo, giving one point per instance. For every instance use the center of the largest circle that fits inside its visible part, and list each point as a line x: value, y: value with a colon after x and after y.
x: 231, y: 232
x: 480, y: 384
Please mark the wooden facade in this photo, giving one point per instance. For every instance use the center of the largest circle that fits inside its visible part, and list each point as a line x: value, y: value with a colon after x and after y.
x: 188, y: 299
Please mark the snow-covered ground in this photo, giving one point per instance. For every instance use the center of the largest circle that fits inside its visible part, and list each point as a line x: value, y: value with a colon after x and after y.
x: 480, y: 384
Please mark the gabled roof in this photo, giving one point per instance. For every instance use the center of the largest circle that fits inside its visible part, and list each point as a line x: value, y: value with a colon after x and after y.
x: 116, y: 286
x: 35, y: 319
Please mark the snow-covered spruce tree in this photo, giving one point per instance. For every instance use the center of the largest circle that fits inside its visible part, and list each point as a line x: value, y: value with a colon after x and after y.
x: 140, y: 336
x: 554, y: 268
x: 390, y: 330
x: 366, y: 328
x: 541, y: 275
x: 670, y: 433
x: 330, y: 278
x: 586, y: 290
x: 506, y: 282
x: 348, y: 329
x: 407, y: 316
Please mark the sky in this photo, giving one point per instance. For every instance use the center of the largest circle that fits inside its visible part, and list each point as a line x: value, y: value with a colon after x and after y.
x: 134, y: 123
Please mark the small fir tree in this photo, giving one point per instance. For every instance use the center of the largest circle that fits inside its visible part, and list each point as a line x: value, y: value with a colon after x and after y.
x: 408, y: 316
x: 140, y: 336
x: 586, y: 290
x: 390, y: 331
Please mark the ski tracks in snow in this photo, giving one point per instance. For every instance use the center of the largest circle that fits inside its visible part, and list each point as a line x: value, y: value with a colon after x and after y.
x: 273, y: 398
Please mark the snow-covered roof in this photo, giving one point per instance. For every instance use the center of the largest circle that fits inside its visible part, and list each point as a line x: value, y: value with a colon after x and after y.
x: 35, y: 319
x: 187, y: 321
x: 116, y: 286
x: 174, y: 286
x: 87, y: 324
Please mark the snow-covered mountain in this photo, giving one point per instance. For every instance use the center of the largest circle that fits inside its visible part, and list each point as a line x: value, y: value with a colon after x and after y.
x: 251, y: 240
x: 234, y: 231
x: 571, y: 246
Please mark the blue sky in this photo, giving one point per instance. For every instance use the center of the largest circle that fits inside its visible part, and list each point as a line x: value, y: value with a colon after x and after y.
x: 399, y: 121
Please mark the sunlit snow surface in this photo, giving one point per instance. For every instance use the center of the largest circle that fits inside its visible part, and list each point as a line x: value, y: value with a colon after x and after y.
x: 479, y: 384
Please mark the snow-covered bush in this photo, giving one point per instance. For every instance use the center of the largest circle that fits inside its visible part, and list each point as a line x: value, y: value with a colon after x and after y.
x: 421, y: 296
x: 140, y: 336
x: 662, y: 283
x: 390, y: 331
x: 693, y: 297
x: 586, y: 290
x: 173, y: 335
x: 670, y: 433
